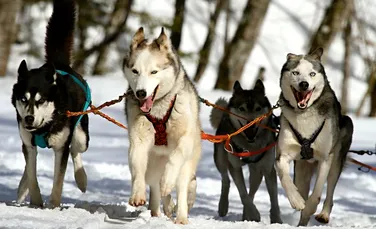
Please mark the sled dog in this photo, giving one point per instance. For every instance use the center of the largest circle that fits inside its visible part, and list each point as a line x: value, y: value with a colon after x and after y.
x: 248, y: 104
x: 313, y: 133
x: 162, y: 112
x: 41, y: 97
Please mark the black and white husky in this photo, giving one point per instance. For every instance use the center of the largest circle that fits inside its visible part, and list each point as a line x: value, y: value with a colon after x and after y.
x: 41, y: 97
x: 314, y: 134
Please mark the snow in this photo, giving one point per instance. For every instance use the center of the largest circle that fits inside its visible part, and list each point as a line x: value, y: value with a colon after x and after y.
x: 104, y: 205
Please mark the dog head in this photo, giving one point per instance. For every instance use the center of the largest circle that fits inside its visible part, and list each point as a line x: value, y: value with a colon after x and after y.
x: 151, y: 68
x: 248, y: 104
x: 33, y: 95
x: 303, y: 79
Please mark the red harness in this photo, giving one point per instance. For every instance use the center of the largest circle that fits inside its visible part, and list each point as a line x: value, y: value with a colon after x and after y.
x: 160, y: 136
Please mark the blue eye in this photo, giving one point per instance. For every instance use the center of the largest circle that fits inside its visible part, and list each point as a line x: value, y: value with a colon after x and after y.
x: 135, y: 71
x: 295, y: 73
x: 312, y: 74
x: 154, y: 72
x: 23, y: 99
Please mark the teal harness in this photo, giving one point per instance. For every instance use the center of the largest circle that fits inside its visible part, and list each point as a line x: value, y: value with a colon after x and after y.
x: 39, y: 139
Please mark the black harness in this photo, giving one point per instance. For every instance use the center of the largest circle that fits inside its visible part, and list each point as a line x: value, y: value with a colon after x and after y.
x: 306, y: 151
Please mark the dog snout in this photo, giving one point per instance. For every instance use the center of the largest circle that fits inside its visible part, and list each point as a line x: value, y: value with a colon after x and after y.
x: 303, y: 85
x: 29, y: 119
x: 141, y: 94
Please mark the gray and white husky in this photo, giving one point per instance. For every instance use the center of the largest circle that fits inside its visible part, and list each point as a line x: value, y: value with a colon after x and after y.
x: 248, y: 104
x: 162, y: 112
x: 313, y: 133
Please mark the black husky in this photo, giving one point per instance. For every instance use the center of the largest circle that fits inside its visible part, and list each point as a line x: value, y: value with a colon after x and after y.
x: 41, y: 97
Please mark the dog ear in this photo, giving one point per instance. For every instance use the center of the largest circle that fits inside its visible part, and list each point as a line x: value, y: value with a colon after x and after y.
x: 291, y: 56
x: 259, y: 86
x: 138, y: 38
x: 237, y: 87
x: 22, y: 70
x: 163, y: 41
x: 317, y: 53
x: 50, y: 71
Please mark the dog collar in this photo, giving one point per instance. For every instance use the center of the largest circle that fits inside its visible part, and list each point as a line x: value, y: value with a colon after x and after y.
x: 305, y: 144
x: 160, y: 136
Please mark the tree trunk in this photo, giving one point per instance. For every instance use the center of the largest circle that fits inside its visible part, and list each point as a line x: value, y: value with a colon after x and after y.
x: 238, y: 51
x: 83, y: 53
x: 336, y: 13
x: 346, y: 66
x: 177, y: 26
x: 206, y: 48
x: 372, y: 89
x: 117, y: 18
x: 8, y: 13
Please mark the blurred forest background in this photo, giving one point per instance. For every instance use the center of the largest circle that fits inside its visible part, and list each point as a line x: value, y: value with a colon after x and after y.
x: 104, y: 29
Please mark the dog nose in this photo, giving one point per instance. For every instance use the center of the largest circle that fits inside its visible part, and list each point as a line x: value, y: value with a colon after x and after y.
x: 141, y: 94
x: 29, y: 120
x: 303, y: 85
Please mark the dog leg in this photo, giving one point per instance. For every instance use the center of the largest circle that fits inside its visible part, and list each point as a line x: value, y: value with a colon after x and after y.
x: 303, y: 172
x: 31, y: 167
x: 138, y: 160
x: 183, y: 184
x: 314, y: 199
x: 61, y: 161
x: 23, y: 189
x: 272, y: 187
x: 255, y: 178
x: 333, y: 177
x: 155, y: 200
x: 249, y: 207
x: 283, y: 167
x: 221, y: 162
x: 192, y: 192
x: 78, y: 146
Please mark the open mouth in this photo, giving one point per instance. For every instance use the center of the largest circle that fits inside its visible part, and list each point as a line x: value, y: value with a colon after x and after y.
x: 147, y: 104
x: 250, y: 132
x: 302, y: 97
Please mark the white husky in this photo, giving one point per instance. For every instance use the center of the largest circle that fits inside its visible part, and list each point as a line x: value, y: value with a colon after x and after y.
x: 164, y: 127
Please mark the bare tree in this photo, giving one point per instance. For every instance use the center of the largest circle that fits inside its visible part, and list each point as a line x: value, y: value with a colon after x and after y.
x: 206, y: 48
x: 240, y: 47
x: 83, y: 53
x: 8, y: 13
x: 118, y: 17
x: 332, y: 23
x: 177, y: 26
x: 346, y: 65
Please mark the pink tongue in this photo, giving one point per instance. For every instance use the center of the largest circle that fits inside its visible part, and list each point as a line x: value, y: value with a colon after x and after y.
x: 303, y: 97
x: 145, y: 105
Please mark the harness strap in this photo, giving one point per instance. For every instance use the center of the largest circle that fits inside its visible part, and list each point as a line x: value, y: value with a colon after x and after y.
x: 306, y: 151
x: 40, y: 139
x: 160, y: 136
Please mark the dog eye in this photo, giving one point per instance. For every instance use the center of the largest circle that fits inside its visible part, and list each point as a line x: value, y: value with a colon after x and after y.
x: 23, y: 99
x: 41, y: 101
x: 295, y: 73
x: 242, y: 109
x: 135, y: 71
x: 258, y: 109
x: 312, y: 74
x: 154, y: 72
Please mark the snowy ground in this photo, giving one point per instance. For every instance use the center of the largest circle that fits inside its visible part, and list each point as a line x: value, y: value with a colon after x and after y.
x: 106, y: 160
x: 109, y: 178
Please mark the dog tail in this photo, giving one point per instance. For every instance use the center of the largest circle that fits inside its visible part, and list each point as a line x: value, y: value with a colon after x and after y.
x: 60, y: 32
x: 216, y: 114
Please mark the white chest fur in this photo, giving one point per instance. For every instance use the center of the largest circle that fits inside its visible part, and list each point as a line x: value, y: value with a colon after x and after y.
x: 305, y: 123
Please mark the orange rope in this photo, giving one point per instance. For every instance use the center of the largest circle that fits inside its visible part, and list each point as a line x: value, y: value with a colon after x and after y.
x: 97, y: 112
x: 362, y: 164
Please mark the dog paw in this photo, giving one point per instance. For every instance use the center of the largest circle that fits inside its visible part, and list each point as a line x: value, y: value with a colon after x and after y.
x: 166, y: 187
x: 36, y: 202
x: 251, y: 214
x: 296, y: 200
x: 322, y: 218
x: 81, y: 179
x: 137, y: 199
x: 155, y: 213
x: 223, y: 207
x: 181, y: 220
